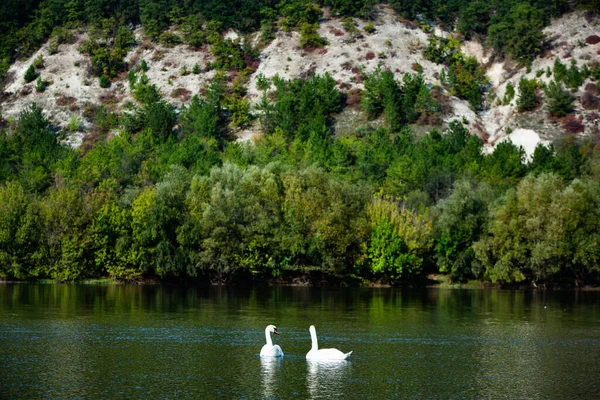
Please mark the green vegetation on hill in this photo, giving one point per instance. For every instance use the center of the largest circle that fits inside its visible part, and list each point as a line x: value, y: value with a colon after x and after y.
x: 159, y: 192
x: 171, y: 196
x: 511, y: 27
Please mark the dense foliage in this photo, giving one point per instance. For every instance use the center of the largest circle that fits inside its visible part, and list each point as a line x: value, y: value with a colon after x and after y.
x: 171, y: 196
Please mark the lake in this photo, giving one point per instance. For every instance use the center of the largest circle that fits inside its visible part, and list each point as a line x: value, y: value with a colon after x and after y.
x: 166, y: 342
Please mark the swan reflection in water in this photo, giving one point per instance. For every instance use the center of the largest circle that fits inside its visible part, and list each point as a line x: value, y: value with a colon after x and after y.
x: 326, y: 378
x: 269, y: 367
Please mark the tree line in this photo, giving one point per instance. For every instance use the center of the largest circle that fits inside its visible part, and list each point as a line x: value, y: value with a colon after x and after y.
x: 171, y: 196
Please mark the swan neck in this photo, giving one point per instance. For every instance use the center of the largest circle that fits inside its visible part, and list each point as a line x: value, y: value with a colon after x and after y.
x: 315, y: 343
x: 268, y: 337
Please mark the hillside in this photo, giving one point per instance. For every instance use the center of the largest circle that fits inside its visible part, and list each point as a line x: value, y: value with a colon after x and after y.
x: 396, y: 44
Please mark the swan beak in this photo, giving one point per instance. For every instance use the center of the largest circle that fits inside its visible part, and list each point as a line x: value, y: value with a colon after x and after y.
x: 275, y: 331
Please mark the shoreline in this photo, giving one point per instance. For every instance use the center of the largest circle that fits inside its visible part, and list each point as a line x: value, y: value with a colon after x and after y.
x: 470, y: 285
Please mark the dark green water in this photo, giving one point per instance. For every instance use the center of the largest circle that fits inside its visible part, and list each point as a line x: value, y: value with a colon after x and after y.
x: 155, y: 342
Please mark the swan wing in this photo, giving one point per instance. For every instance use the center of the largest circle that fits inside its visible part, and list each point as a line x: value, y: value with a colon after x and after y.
x: 327, y: 354
x: 271, y: 351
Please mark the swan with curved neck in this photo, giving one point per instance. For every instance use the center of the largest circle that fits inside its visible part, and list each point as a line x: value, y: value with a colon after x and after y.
x: 269, y: 349
x: 323, y: 354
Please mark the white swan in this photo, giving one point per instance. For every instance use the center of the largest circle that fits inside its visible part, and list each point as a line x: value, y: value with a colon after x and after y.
x: 270, y: 350
x: 323, y: 354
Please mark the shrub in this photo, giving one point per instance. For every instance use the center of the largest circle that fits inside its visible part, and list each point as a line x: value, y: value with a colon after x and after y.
x: 369, y: 28
x: 309, y: 38
x: 73, y: 124
x: 183, y: 94
x: 510, y: 94
x: 30, y: 74
x: 40, y: 84
x: 262, y: 82
x: 38, y: 63
x: 104, y: 81
x: 169, y: 39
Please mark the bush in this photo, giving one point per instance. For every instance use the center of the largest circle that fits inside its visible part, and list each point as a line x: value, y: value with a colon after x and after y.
x: 40, y: 85
x: 74, y: 123
x: 104, y: 81
x: 309, y: 38
x: 38, y: 63
x: 169, y: 39
x: 509, y: 95
x: 144, y: 66
x: 30, y: 74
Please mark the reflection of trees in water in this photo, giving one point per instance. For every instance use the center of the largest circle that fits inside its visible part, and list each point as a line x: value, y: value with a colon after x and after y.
x: 326, y: 378
x: 269, y: 367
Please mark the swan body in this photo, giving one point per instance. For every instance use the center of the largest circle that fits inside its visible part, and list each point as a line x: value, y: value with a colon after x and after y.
x: 269, y: 349
x: 323, y: 354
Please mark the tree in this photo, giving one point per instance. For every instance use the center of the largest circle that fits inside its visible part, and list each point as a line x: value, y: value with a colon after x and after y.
x: 542, y: 229
x: 505, y: 164
x: 160, y: 118
x: 383, y: 95
x: 112, y: 234
x: 30, y: 74
x: 527, y: 99
x: 66, y: 238
x: 559, y: 101
x: 324, y: 221
x: 19, y: 233
x: 463, y: 216
x: 474, y: 18
x: 398, y: 242
x: 235, y: 223
x: 519, y: 33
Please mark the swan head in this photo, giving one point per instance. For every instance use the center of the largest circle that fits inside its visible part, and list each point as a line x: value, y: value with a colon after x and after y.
x: 273, y: 329
x: 312, y: 329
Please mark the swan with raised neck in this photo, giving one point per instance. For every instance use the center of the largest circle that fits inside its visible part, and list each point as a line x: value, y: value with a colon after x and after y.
x: 269, y: 349
x: 323, y: 354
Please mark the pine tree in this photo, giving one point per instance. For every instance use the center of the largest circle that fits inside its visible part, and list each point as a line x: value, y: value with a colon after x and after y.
x: 527, y: 99
x: 560, y: 102
x: 30, y: 74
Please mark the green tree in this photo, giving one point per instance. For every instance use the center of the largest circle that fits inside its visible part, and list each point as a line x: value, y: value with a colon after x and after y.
x: 66, y: 237
x: 540, y: 230
x: 30, y: 74
x: 463, y: 216
x: 527, y: 99
x: 519, y: 34
x: 399, y: 240
x: 19, y: 233
x: 559, y: 101
x: 235, y: 220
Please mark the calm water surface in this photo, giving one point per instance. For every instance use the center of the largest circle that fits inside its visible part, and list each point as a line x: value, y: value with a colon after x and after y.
x: 158, y: 342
